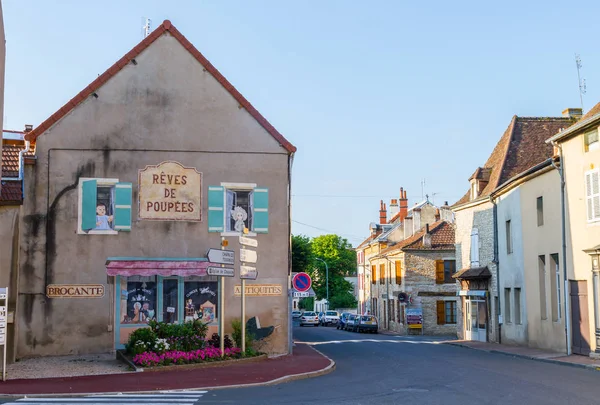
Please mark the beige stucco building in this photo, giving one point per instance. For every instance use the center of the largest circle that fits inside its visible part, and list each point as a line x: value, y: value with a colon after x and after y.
x: 579, y: 149
x: 154, y: 163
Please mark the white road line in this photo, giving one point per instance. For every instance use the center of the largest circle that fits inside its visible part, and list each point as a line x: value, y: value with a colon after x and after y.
x: 368, y: 340
x: 161, y: 397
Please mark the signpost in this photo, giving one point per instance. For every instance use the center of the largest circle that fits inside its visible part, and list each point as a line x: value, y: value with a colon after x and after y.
x: 3, y: 320
x: 302, y: 282
x: 414, y: 318
x: 221, y: 256
x: 220, y: 271
x: 247, y: 256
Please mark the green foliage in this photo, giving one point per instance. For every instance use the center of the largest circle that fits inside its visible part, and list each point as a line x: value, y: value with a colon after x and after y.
x: 236, y: 325
x: 302, y: 255
x: 140, y: 340
x: 342, y: 300
x: 187, y: 336
x: 306, y: 303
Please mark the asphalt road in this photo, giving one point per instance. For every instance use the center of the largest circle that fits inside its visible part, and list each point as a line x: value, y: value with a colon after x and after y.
x: 396, y: 370
x: 383, y: 369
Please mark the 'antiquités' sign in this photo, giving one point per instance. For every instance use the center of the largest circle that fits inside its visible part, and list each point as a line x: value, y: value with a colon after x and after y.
x: 170, y: 191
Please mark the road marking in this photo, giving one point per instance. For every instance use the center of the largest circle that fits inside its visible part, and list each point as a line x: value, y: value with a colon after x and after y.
x: 161, y: 397
x: 369, y: 341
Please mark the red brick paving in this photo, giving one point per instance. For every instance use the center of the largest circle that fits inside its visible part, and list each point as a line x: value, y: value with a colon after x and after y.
x: 305, y: 359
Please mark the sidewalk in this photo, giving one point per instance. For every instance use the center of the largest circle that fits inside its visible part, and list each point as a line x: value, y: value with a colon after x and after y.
x: 304, y: 363
x: 529, y: 353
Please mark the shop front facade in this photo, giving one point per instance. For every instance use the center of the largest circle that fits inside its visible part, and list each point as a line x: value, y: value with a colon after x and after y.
x: 155, y: 163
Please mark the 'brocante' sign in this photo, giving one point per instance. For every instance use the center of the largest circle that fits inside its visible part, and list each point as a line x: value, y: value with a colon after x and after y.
x: 170, y: 192
x: 75, y: 291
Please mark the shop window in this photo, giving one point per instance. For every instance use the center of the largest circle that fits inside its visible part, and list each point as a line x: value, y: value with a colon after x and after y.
x: 138, y: 299
x: 235, y: 208
x: 104, y: 206
x: 446, y: 312
x: 201, y: 299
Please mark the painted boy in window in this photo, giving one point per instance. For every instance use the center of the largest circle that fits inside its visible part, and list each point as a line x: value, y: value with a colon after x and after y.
x: 102, y: 220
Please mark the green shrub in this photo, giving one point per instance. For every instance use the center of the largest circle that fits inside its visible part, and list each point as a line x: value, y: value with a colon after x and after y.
x: 215, y: 341
x: 140, y: 341
x: 186, y: 337
x: 236, y: 325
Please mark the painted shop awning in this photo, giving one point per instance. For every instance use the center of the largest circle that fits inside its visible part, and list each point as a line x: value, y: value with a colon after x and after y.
x: 157, y: 266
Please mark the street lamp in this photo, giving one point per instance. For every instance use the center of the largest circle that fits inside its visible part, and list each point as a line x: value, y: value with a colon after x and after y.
x: 595, y: 256
x: 326, y: 278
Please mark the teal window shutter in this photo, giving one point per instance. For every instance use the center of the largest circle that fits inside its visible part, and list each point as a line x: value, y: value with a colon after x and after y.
x: 122, y: 217
x: 260, y: 210
x: 89, y: 189
x: 216, y: 202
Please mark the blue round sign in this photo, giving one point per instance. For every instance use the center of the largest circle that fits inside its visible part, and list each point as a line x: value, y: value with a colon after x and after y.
x: 301, y: 282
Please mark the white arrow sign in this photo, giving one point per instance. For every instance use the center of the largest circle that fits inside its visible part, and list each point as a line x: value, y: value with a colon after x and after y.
x: 248, y: 272
x: 248, y: 256
x: 248, y: 241
x: 221, y: 256
x: 220, y: 271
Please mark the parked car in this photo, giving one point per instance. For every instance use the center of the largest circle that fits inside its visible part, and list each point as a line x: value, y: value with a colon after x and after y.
x: 296, y: 314
x: 309, y: 318
x: 342, y: 321
x: 350, y: 322
x: 329, y: 318
x: 366, y: 323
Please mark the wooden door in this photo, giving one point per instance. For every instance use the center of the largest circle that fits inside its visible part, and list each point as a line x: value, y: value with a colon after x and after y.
x: 580, y: 328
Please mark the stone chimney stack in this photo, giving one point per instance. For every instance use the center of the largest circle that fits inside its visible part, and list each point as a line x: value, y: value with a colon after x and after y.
x: 393, y: 208
x: 427, y: 237
x: 382, y: 213
x: 575, y: 113
x: 437, y: 215
x: 446, y: 213
x: 28, y: 128
x: 403, y: 204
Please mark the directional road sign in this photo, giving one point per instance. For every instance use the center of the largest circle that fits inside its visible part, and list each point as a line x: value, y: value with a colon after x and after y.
x: 301, y: 282
x: 248, y: 241
x: 220, y: 271
x: 248, y: 256
x: 221, y: 256
x: 248, y: 273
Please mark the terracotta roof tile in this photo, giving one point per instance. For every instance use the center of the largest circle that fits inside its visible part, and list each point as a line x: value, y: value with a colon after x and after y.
x: 442, y: 238
x: 10, y: 158
x: 522, y: 146
x: 166, y: 26
x: 11, y: 193
x: 593, y: 111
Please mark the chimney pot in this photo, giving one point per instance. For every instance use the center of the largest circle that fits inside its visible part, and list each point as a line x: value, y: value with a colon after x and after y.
x: 426, y: 228
x: 28, y: 128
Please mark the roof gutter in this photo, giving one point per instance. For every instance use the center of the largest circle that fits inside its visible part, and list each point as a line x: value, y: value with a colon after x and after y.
x: 567, y: 133
x: 520, y: 178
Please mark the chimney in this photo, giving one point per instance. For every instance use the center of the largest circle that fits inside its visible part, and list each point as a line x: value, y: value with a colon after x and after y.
x: 403, y: 204
x: 427, y: 237
x: 437, y: 215
x: 446, y: 213
x: 575, y: 113
x: 28, y: 128
x: 408, y: 227
x: 393, y: 208
x: 382, y: 213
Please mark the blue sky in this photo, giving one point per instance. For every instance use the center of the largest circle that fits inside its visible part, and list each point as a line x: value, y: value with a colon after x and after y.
x: 375, y: 95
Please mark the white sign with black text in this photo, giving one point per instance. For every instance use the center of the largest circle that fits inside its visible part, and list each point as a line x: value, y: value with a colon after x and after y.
x: 248, y: 272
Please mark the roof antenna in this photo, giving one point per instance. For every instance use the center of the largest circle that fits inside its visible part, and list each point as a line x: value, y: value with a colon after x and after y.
x: 422, y: 189
x: 582, y: 87
x: 146, y: 27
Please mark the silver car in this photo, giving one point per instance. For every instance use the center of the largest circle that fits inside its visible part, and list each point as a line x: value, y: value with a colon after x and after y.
x: 309, y: 318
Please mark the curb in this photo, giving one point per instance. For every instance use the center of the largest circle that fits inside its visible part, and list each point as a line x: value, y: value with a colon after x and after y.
x: 287, y: 378
x: 591, y: 367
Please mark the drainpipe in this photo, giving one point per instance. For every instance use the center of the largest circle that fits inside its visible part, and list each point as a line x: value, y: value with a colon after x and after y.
x: 564, y: 246
x: 497, y: 262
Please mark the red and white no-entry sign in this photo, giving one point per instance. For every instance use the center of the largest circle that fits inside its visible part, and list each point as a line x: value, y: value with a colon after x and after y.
x: 301, y: 282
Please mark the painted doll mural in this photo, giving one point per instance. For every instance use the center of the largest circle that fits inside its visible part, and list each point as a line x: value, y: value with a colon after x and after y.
x: 240, y: 216
x: 103, y: 221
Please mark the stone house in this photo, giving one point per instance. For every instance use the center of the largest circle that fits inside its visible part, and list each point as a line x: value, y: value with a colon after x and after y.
x: 520, y: 148
x: 417, y: 275
x: 157, y: 161
x: 578, y: 148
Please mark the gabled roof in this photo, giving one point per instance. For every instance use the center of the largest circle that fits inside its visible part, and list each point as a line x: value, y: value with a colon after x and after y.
x: 166, y: 26
x: 442, y: 238
x: 591, y: 117
x: 522, y: 146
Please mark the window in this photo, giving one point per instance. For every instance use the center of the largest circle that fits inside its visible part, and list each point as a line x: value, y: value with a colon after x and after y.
x: 592, y: 192
x: 518, y: 306
x: 398, y: 268
x: 474, y: 193
x: 591, y: 140
x: 382, y: 274
x: 444, y: 269
x: 542, y: 281
x: 373, y: 274
x: 474, y: 247
x: 234, y: 208
x: 138, y: 299
x: 555, y: 287
x: 540, y: 211
x: 104, y: 206
x: 507, y: 305
x: 509, y: 248
x: 446, y: 312
x: 201, y: 299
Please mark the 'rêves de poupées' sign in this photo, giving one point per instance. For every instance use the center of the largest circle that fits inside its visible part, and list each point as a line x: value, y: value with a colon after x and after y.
x: 170, y: 192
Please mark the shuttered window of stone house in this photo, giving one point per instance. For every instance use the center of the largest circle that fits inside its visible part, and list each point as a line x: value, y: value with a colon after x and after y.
x: 373, y: 274
x: 439, y: 272
x: 592, y: 193
x: 441, y: 312
x: 382, y: 274
x: 446, y: 312
x: 398, y: 268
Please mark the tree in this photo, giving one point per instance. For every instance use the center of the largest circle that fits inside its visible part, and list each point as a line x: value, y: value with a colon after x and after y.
x: 307, y: 303
x: 343, y: 300
x: 302, y: 256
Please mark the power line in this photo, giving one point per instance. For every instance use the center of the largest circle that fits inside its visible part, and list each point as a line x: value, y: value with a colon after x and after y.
x: 329, y: 231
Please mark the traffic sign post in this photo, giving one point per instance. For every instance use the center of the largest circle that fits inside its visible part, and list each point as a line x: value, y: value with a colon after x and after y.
x: 3, y: 320
x: 248, y: 273
x: 221, y: 256
x: 220, y: 271
x: 247, y: 256
x: 302, y: 282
